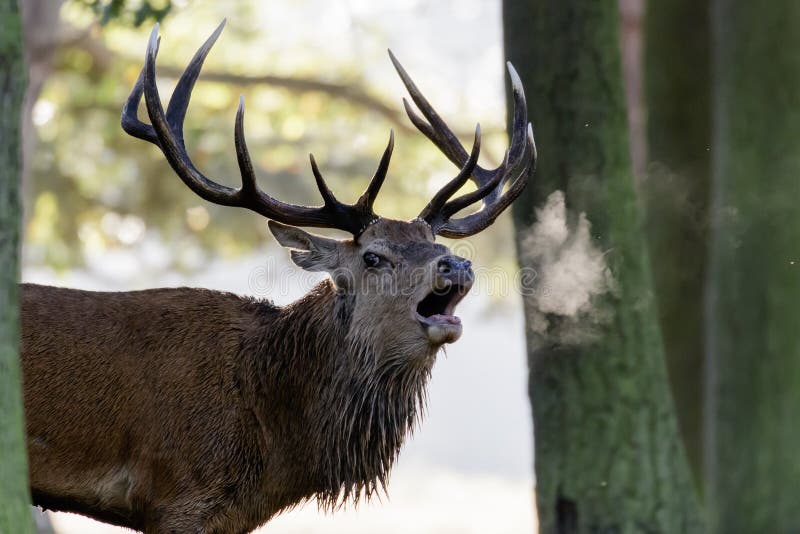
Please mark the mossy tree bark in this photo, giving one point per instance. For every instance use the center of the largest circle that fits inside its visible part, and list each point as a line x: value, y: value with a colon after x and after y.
x: 607, y: 451
x: 15, y: 515
x: 675, y: 192
x: 753, y: 373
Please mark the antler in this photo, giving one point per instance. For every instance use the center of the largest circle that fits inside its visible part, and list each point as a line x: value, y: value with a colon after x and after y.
x: 490, y: 182
x: 166, y: 132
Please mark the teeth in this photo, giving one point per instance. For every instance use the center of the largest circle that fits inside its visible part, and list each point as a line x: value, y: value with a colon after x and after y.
x: 441, y: 318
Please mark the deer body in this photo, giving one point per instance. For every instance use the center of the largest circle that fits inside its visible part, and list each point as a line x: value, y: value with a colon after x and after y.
x: 173, y: 426
x: 189, y: 410
x: 136, y: 412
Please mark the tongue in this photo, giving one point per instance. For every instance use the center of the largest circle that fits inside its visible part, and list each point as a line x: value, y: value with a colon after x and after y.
x: 440, y: 318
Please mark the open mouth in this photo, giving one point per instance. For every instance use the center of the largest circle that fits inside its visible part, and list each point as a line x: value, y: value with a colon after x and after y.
x: 435, y: 313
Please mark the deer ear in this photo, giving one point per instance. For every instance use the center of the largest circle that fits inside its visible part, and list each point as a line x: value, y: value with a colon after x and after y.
x: 309, y: 251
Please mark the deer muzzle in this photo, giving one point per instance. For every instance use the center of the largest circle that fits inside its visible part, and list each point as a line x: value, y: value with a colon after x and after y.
x: 451, y: 282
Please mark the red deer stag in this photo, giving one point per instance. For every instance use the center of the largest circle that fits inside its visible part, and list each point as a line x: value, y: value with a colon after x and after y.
x: 189, y: 410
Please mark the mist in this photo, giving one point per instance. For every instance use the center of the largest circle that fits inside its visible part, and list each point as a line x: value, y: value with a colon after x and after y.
x: 571, y: 275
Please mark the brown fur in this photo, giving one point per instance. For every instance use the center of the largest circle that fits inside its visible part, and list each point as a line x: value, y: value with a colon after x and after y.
x: 190, y: 410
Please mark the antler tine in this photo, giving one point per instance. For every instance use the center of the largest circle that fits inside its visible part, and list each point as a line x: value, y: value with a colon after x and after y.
x: 367, y: 199
x: 435, y: 129
x: 251, y: 197
x: 519, y: 125
x: 173, y: 149
x: 130, y: 121
x: 458, y: 204
x: 166, y: 131
x: 324, y: 190
x: 475, y: 222
x: 249, y: 187
x: 439, y: 200
x: 179, y: 102
x: 490, y: 181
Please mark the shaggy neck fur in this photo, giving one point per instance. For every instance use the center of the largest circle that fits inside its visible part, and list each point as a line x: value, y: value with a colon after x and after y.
x: 356, y: 399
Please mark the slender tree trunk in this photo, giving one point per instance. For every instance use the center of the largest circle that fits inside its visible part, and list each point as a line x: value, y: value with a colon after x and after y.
x: 753, y: 373
x: 15, y: 515
x: 675, y: 192
x: 608, y: 455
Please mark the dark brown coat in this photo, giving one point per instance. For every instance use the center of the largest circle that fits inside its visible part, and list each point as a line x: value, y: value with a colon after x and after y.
x: 189, y: 410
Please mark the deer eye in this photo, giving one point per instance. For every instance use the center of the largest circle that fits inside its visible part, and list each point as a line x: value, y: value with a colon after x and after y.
x: 371, y: 259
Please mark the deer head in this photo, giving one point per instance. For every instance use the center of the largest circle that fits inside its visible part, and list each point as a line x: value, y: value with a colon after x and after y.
x: 404, y: 286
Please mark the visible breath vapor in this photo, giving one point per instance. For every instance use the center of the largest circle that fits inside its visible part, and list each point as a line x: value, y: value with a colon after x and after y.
x: 571, y: 274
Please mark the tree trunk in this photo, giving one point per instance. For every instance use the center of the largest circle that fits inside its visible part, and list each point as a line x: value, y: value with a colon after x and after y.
x: 753, y: 372
x: 15, y: 515
x: 675, y: 193
x: 607, y: 451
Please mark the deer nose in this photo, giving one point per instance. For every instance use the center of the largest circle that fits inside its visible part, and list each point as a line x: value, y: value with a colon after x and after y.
x: 455, y: 269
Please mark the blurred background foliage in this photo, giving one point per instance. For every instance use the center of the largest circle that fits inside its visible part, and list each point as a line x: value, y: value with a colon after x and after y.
x: 93, y: 190
x: 121, y: 10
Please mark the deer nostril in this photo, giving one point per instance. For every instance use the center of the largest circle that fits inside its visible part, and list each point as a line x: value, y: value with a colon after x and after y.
x: 451, y: 264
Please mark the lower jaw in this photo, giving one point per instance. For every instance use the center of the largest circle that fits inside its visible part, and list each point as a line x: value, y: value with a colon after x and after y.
x: 441, y: 333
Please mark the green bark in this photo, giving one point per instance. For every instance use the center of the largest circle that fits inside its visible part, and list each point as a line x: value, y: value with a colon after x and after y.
x: 15, y: 515
x: 753, y: 378
x: 608, y: 455
x: 675, y: 192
